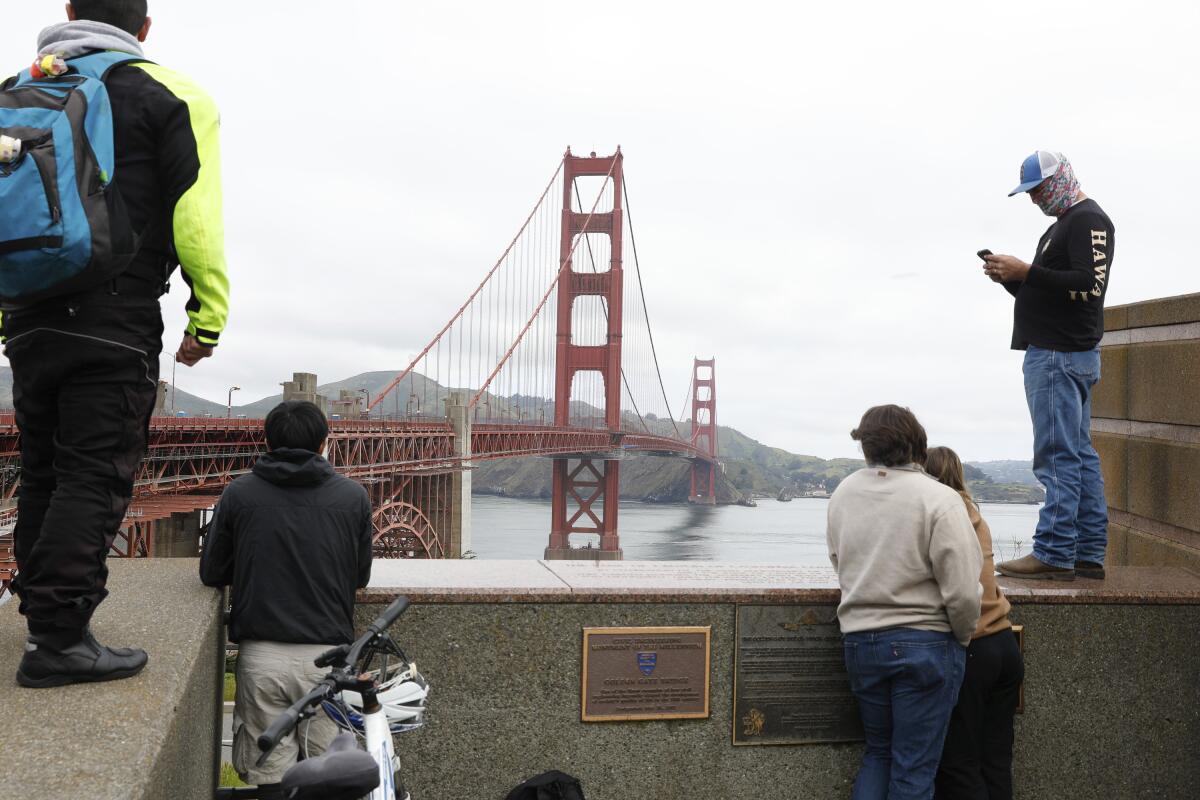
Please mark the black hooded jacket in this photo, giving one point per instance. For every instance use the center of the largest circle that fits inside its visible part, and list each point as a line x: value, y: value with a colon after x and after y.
x: 293, y: 539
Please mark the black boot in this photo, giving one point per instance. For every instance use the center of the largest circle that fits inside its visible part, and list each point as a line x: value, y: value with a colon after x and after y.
x: 48, y: 664
x: 1089, y: 569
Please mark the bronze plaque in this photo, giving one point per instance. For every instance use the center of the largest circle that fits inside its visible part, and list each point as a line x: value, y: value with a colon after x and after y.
x: 789, y: 682
x: 645, y: 673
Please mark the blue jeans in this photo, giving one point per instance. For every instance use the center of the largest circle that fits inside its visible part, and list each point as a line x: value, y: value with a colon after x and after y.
x: 1073, y: 525
x: 906, y: 682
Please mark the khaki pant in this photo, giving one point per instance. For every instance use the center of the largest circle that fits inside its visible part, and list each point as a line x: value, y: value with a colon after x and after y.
x: 270, y: 677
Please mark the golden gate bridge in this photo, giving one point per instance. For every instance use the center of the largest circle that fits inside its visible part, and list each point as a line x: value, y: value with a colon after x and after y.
x: 551, y: 355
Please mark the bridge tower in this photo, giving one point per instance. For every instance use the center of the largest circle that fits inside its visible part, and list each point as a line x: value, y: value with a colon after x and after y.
x: 586, y: 488
x: 704, y: 431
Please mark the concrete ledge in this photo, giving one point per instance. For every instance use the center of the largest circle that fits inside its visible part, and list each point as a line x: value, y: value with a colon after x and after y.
x: 1112, y: 689
x: 502, y: 581
x: 152, y: 737
x: 479, y: 581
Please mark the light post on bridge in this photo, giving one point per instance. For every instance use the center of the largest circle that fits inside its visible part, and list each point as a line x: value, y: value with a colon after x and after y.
x: 229, y: 400
x: 367, y: 407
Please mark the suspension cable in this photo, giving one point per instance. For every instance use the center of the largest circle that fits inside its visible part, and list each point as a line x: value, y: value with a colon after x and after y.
x: 645, y: 310
x: 436, y: 339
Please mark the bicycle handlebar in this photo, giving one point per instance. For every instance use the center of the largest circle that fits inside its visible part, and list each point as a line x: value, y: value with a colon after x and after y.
x: 288, y: 720
x: 381, y: 623
x: 389, y: 615
x: 333, y: 656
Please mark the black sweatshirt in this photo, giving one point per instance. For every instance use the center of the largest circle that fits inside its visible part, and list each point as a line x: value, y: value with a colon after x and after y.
x: 1060, y: 305
x: 293, y: 539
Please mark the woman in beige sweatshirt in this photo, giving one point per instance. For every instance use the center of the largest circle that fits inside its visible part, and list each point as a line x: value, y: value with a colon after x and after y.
x: 908, y: 566
x: 977, y: 756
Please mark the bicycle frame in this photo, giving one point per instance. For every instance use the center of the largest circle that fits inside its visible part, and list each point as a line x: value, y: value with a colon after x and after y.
x: 380, y: 745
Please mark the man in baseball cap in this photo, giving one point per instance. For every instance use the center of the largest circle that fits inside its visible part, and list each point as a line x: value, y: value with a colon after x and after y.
x: 1038, y: 167
x: 1058, y: 320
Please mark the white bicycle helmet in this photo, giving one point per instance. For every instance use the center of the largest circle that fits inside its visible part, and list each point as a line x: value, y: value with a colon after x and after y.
x: 402, y: 694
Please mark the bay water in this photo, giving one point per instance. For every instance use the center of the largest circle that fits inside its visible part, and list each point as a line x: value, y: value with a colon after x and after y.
x: 773, y: 532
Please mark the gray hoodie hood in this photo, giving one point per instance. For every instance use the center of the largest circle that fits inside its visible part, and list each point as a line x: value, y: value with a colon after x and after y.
x: 71, y: 39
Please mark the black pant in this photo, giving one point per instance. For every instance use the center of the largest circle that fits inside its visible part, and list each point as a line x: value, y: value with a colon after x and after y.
x: 977, y: 757
x: 85, y: 378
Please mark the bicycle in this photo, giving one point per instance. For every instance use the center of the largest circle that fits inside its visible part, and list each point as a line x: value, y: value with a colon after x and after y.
x: 354, y: 697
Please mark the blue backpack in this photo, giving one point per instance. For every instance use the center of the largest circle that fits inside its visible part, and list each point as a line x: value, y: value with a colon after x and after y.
x: 63, y: 226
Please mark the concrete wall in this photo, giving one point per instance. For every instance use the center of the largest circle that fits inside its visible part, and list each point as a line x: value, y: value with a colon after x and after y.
x: 1112, y: 696
x: 1146, y: 427
x: 151, y: 737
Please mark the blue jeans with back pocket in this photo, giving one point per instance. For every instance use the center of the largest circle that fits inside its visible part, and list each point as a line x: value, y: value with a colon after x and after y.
x: 1073, y: 524
x: 906, y: 682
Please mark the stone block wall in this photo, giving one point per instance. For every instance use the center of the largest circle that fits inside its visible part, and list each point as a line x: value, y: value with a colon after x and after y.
x: 1146, y: 427
x: 1112, y: 689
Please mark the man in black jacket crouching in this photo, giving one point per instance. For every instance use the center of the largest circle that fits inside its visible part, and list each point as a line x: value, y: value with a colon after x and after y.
x: 293, y: 540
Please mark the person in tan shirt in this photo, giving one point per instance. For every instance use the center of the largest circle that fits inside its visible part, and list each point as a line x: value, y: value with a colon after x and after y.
x: 977, y: 756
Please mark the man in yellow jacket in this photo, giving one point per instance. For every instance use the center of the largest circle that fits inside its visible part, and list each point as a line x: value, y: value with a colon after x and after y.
x: 85, y: 365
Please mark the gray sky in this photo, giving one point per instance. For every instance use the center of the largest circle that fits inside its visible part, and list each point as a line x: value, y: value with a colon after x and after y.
x: 809, y: 182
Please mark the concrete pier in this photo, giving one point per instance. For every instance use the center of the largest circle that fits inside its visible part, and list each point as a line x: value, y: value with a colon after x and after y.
x: 459, y: 415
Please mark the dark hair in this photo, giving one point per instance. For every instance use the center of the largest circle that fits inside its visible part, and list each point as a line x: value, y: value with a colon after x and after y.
x: 128, y: 15
x: 945, y: 465
x: 297, y: 424
x: 890, y: 436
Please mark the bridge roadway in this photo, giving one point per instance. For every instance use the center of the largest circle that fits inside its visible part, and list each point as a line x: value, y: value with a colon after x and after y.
x: 406, y: 465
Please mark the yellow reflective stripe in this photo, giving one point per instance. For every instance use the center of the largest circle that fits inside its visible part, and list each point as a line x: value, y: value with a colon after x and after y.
x: 199, y: 226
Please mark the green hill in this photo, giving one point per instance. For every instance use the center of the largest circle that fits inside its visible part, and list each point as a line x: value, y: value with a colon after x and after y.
x: 748, y: 468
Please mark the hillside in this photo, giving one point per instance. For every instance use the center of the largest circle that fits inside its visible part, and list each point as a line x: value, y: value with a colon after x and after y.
x: 757, y: 469
x: 748, y: 468
x: 1008, y: 471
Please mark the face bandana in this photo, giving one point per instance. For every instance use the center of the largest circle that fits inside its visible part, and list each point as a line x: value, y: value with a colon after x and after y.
x: 1059, y: 192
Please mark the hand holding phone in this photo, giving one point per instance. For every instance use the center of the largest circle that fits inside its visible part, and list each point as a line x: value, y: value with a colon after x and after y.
x: 988, y: 267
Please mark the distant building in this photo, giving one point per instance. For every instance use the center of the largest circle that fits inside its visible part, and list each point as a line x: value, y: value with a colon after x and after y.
x: 303, y: 386
x: 349, y: 404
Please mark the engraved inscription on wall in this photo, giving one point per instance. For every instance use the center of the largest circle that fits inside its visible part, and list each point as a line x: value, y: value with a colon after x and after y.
x: 790, y: 681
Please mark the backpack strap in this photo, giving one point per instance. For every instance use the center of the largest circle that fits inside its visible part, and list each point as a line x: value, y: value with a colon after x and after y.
x: 98, y: 65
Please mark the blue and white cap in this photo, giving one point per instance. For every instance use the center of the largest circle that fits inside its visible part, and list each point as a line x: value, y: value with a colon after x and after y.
x: 1037, y: 168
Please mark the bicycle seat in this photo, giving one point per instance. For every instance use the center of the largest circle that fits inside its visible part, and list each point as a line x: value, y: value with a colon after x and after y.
x: 343, y: 772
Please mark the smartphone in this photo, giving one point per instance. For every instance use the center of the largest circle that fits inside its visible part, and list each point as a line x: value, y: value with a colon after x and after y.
x: 984, y: 253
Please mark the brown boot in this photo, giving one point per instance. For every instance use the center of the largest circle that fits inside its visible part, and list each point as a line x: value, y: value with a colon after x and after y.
x: 1089, y: 569
x: 1032, y: 568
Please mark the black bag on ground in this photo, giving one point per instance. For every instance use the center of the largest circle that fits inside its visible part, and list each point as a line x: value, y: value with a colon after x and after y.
x: 552, y: 785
